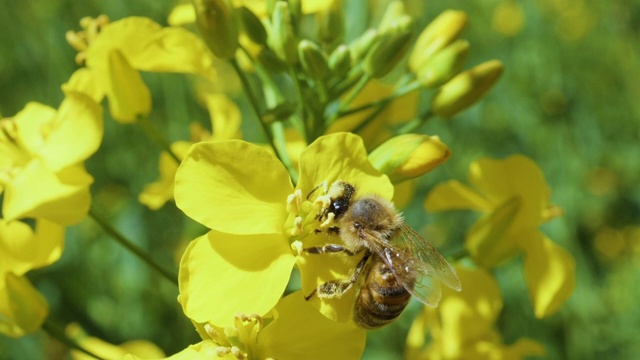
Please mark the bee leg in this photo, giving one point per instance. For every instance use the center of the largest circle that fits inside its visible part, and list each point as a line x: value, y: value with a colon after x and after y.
x: 336, y: 288
x: 331, y: 248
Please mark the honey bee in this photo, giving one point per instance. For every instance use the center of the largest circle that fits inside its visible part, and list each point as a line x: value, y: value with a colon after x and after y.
x: 397, y: 261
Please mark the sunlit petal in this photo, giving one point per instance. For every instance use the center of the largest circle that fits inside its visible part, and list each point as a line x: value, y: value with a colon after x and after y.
x: 453, y: 195
x: 222, y: 274
x: 549, y: 272
x: 234, y: 187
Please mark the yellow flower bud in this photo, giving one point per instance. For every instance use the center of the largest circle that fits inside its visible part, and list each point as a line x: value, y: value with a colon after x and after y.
x: 408, y: 156
x: 340, y: 61
x: 217, y: 26
x: 312, y: 59
x: 439, y: 33
x: 389, y: 48
x: 282, y: 38
x: 252, y: 26
x: 444, y: 64
x: 465, y: 88
x: 331, y: 23
x: 394, y: 11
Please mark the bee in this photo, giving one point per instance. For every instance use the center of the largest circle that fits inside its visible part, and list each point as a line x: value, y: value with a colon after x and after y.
x: 397, y: 261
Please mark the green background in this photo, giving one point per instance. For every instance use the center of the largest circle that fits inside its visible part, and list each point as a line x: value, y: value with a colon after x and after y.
x: 569, y: 99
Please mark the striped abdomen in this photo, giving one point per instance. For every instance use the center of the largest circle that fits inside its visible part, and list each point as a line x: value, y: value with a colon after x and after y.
x: 381, y: 299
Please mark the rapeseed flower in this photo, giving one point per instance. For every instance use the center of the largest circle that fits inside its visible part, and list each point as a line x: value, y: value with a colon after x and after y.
x: 41, y: 155
x: 142, y: 348
x: 515, y: 199
x: 260, y: 223
x: 463, y: 325
x: 225, y: 120
x: 22, y: 308
x: 114, y: 53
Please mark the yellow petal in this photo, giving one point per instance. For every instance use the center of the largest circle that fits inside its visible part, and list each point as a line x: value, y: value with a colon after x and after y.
x: 234, y: 187
x: 300, y: 332
x: 518, y: 176
x: 453, y: 195
x: 222, y: 274
x: 490, y: 241
x: 30, y: 122
x: 341, y: 156
x: 87, y: 81
x: 204, y: 350
x: 156, y: 194
x: 75, y: 134
x: 149, y: 47
x: 471, y: 313
x: 22, y: 308
x: 225, y: 116
x: 549, y: 272
x: 182, y: 14
x: 61, y: 197
x: 141, y: 349
x: 128, y: 95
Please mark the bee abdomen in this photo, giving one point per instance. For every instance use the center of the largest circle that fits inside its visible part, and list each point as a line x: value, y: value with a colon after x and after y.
x: 381, y: 299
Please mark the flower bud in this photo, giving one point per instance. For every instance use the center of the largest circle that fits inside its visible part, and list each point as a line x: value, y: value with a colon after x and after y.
x: 389, y: 48
x: 312, y: 59
x: 394, y: 11
x: 465, y: 88
x: 330, y: 23
x: 252, y: 26
x: 340, y: 61
x: 271, y: 61
x: 439, y: 33
x: 361, y: 45
x: 282, y: 38
x: 408, y: 156
x: 444, y: 64
x: 217, y: 26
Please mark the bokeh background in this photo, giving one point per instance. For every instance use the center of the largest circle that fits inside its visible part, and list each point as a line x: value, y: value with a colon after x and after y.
x: 569, y: 98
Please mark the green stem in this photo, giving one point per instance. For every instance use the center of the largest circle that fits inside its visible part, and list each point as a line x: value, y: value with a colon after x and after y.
x: 137, y: 251
x: 352, y: 95
x: 382, y: 102
x: 152, y: 131
x: 412, y: 125
x: 57, y: 333
x: 253, y: 100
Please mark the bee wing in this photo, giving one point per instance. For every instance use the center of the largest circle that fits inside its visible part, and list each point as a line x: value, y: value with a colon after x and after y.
x: 418, y: 265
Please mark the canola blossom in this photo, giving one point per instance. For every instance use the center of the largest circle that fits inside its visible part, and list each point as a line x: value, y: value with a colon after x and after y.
x: 515, y: 199
x: 260, y: 223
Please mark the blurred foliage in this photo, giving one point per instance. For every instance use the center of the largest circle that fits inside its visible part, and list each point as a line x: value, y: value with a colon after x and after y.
x: 568, y: 99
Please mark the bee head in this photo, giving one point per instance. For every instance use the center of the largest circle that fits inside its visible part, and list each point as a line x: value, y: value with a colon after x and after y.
x: 341, y: 194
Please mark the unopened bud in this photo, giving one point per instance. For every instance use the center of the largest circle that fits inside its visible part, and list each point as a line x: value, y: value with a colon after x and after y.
x: 271, y: 61
x: 217, y: 26
x: 340, y: 61
x: 361, y: 45
x: 312, y: 59
x: 282, y: 39
x: 465, y: 88
x: 330, y: 23
x: 389, y: 49
x: 442, y: 31
x: 252, y: 26
x: 408, y: 156
x: 394, y: 11
x: 444, y: 64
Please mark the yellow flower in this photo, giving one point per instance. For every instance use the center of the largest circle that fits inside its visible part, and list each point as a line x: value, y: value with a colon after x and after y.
x: 41, y: 155
x: 257, y: 218
x: 515, y: 198
x: 462, y: 326
x: 292, y: 330
x: 114, y: 55
x: 22, y: 308
x: 141, y: 348
x: 225, y: 122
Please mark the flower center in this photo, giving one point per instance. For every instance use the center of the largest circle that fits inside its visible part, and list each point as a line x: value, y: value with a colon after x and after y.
x: 81, y: 40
